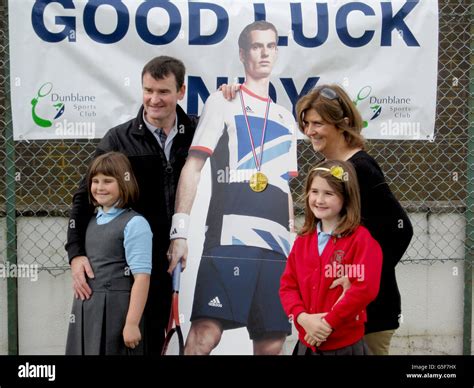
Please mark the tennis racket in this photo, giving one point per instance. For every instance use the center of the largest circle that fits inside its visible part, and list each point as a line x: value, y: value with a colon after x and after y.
x: 173, y: 333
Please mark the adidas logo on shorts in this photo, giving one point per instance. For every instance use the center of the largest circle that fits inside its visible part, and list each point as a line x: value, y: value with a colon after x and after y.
x: 215, y: 302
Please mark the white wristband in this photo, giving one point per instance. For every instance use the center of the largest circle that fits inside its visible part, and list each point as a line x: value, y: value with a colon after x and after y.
x: 179, y: 226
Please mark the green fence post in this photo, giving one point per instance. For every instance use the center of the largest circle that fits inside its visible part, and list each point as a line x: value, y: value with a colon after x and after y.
x: 467, y: 324
x: 10, y: 185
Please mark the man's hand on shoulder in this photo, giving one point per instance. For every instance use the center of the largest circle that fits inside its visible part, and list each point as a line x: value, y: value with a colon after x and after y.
x: 229, y: 91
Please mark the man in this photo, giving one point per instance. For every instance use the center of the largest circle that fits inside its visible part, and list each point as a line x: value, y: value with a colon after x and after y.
x: 157, y: 143
x: 251, y: 143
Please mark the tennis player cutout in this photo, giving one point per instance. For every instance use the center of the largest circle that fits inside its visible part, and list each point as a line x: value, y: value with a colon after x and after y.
x: 251, y: 143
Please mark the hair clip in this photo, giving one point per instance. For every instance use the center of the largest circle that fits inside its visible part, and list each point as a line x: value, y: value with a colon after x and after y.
x: 335, y: 171
x: 328, y: 93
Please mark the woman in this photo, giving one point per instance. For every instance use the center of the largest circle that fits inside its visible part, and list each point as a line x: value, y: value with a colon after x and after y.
x: 332, y: 123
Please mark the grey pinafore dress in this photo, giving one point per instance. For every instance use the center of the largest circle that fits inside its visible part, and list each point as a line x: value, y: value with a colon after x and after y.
x: 96, y: 325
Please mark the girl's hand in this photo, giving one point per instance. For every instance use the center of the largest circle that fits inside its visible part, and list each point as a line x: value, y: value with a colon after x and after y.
x: 344, y: 283
x: 312, y: 341
x: 315, y: 326
x: 131, y: 335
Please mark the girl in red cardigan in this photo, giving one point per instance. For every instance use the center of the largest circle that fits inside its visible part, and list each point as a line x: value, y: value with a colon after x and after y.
x: 332, y: 245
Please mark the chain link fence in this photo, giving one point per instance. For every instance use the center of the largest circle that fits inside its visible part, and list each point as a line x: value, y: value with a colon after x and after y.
x: 430, y: 178
x: 427, y: 177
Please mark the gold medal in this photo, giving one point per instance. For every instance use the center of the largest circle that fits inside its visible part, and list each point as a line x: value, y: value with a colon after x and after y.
x: 258, y: 182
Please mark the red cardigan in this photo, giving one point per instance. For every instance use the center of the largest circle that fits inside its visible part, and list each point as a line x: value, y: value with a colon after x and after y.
x: 304, y: 285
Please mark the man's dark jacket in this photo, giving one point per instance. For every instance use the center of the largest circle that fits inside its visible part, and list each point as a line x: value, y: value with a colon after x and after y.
x: 157, y: 181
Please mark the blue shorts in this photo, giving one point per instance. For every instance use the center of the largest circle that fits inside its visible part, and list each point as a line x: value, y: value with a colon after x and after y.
x: 239, y: 286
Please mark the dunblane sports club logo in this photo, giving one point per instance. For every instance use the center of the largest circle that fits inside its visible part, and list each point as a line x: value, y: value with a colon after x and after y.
x: 44, y: 111
x: 364, y: 93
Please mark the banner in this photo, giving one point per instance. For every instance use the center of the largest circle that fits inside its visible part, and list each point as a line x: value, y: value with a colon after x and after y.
x: 76, y: 64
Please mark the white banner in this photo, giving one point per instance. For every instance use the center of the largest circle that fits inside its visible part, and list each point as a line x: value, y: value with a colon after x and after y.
x: 76, y: 64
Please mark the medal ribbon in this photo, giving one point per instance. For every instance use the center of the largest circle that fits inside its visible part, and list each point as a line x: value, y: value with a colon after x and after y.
x: 258, y: 163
